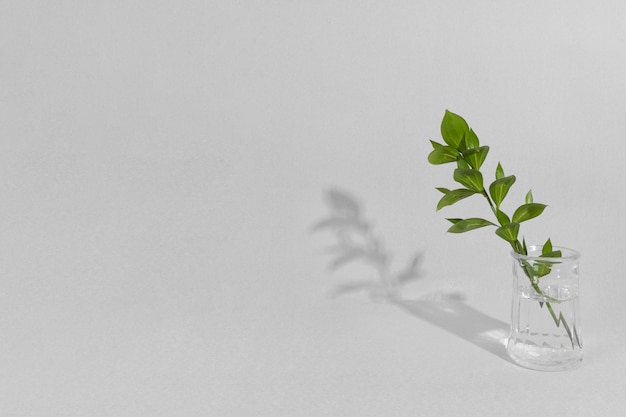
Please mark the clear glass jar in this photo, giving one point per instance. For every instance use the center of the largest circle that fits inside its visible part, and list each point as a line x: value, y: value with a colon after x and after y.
x: 545, y: 320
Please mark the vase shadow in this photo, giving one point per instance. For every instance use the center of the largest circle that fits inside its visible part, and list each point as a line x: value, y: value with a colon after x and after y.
x: 450, y: 312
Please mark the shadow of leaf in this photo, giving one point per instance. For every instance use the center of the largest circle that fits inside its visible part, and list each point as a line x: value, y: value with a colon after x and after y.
x: 351, y: 287
x: 411, y: 271
x: 347, y: 256
x: 343, y: 203
x: 340, y: 223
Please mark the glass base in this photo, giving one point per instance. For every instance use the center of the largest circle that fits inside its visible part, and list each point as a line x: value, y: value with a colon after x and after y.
x: 543, y: 358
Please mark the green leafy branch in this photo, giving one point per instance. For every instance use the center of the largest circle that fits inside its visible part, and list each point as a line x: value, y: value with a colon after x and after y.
x: 462, y: 147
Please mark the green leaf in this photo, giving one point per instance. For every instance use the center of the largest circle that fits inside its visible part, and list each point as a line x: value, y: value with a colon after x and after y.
x: 541, y: 269
x: 476, y: 156
x: 461, y: 163
x: 453, y: 128
x: 509, y: 232
x: 443, y: 190
x: 552, y: 254
x: 499, y: 189
x: 547, y: 251
x: 453, y: 196
x: 443, y: 155
x: 499, y: 172
x: 469, y: 178
x: 454, y: 221
x: 529, y: 197
x: 471, y: 140
x: 435, y: 144
x: 503, y: 219
x: 466, y: 225
x: 547, y: 247
x: 527, y: 212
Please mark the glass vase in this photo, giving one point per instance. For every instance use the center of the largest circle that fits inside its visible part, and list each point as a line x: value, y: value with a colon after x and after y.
x: 545, y: 320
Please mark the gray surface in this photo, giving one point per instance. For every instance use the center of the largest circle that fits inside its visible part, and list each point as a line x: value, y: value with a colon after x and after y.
x: 161, y: 165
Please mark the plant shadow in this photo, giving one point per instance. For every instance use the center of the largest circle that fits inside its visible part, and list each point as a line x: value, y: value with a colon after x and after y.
x: 356, y: 241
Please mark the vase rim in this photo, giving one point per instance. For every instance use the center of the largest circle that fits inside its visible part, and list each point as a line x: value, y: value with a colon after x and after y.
x: 567, y: 253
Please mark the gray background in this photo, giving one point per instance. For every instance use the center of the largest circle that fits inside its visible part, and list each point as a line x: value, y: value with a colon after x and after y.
x: 162, y: 163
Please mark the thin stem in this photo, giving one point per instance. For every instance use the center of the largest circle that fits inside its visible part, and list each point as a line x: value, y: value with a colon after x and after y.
x: 557, y: 320
x: 519, y: 248
x: 493, y: 208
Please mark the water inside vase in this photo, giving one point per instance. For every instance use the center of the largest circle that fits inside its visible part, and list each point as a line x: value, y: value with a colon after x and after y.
x: 543, y: 339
